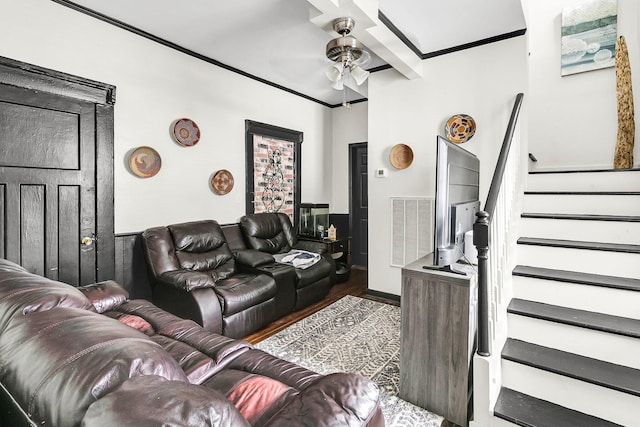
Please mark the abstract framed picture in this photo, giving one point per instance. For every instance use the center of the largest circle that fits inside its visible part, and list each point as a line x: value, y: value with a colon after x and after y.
x: 273, y: 169
x: 589, y: 33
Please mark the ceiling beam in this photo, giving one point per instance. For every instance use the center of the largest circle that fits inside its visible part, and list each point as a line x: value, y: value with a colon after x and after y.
x: 369, y: 30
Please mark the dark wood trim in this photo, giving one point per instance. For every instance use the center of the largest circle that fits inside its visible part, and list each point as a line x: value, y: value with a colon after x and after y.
x: 21, y: 74
x: 131, y: 267
x: 212, y: 61
x: 355, y: 101
x: 426, y: 55
x: 181, y: 49
x: 256, y: 128
x: 103, y: 96
x: 383, y: 296
x: 352, y: 149
x: 105, y: 225
x: 476, y: 43
x: 395, y: 30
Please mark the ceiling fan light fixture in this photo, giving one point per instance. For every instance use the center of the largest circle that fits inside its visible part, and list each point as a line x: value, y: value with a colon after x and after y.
x: 334, y: 72
x: 345, y: 51
x: 342, y: 48
x: 359, y: 75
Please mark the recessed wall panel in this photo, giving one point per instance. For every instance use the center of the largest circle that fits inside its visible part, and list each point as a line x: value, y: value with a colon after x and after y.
x: 68, y: 234
x: 34, y: 129
x: 32, y: 228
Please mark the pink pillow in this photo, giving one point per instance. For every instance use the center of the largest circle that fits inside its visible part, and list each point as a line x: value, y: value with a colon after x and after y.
x: 255, y: 395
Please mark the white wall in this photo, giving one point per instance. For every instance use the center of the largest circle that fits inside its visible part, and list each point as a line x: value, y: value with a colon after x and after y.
x: 573, y: 119
x: 155, y: 86
x: 482, y: 82
x: 349, y: 127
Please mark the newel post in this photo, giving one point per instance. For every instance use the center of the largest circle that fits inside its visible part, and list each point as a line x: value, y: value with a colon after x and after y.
x: 481, y: 242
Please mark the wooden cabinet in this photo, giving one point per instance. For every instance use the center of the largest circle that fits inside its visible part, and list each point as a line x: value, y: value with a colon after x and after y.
x: 437, y: 340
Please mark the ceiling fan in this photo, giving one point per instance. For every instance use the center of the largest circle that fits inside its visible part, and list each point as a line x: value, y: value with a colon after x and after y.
x: 348, y: 56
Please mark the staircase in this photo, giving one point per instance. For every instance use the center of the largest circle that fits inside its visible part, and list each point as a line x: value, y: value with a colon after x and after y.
x: 572, y: 356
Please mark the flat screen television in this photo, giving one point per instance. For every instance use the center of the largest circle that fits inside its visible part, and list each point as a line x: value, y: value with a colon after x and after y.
x: 456, y: 202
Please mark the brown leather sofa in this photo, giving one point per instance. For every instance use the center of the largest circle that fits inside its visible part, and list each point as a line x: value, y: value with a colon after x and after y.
x: 91, y: 357
x: 225, y: 277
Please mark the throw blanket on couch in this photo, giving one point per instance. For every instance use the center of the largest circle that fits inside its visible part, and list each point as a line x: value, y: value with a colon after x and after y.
x: 298, y: 258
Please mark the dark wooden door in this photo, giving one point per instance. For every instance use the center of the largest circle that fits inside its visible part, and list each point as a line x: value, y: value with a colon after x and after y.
x: 359, y: 203
x: 48, y: 184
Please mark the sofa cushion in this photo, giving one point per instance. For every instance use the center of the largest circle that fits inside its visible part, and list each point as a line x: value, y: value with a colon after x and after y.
x: 105, y: 295
x: 22, y: 292
x: 242, y: 291
x: 198, y: 345
x: 265, y: 233
x: 151, y: 401
x: 67, y: 358
x: 201, y: 246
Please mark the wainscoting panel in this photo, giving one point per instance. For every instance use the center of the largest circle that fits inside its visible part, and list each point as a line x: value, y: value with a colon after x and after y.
x: 131, y: 269
x: 412, y: 229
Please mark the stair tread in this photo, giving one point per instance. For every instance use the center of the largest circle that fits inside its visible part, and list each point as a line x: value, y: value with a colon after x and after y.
x: 583, y: 193
x: 541, y: 172
x: 525, y: 410
x: 576, y: 244
x: 577, y: 277
x: 582, y: 217
x: 580, y: 318
x: 594, y: 371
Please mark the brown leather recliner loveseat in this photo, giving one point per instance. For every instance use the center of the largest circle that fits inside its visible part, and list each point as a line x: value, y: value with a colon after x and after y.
x: 91, y: 357
x: 225, y: 277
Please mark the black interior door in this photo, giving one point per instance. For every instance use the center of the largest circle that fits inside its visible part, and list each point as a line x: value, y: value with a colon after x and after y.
x: 48, y: 184
x: 359, y: 203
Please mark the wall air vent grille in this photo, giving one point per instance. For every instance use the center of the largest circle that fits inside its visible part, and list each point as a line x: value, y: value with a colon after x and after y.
x: 411, y: 230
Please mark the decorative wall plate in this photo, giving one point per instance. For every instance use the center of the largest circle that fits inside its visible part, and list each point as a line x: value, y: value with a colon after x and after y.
x: 145, y: 162
x: 222, y: 182
x: 186, y: 132
x: 460, y: 128
x: 401, y: 156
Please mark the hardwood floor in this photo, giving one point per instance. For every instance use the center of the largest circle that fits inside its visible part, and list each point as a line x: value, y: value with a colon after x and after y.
x: 356, y: 286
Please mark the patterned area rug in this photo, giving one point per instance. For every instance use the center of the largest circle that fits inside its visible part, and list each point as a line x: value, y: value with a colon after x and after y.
x: 354, y: 335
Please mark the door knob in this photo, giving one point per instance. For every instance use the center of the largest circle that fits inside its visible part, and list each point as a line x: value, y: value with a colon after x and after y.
x: 87, y: 241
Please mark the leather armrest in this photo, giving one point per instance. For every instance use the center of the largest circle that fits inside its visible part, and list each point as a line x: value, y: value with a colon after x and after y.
x: 253, y: 258
x: 172, y: 402
x: 310, y: 246
x: 105, y: 295
x: 351, y: 398
x: 187, y: 280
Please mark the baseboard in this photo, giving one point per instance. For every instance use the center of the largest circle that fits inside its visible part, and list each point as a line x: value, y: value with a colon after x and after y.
x: 383, y: 297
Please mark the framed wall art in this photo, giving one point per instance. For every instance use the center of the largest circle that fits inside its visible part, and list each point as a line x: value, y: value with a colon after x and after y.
x: 273, y: 169
x: 589, y: 33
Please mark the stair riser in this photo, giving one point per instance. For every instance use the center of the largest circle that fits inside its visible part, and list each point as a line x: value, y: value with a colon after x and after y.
x: 582, y: 204
x: 581, y: 260
x: 594, y: 231
x: 590, y: 399
x: 605, y: 346
x: 601, y: 181
x: 617, y: 302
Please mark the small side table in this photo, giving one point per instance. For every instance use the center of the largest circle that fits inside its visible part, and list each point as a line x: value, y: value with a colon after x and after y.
x: 340, y: 251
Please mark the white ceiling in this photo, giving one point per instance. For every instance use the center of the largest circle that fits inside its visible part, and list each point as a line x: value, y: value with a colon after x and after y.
x: 283, y: 41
